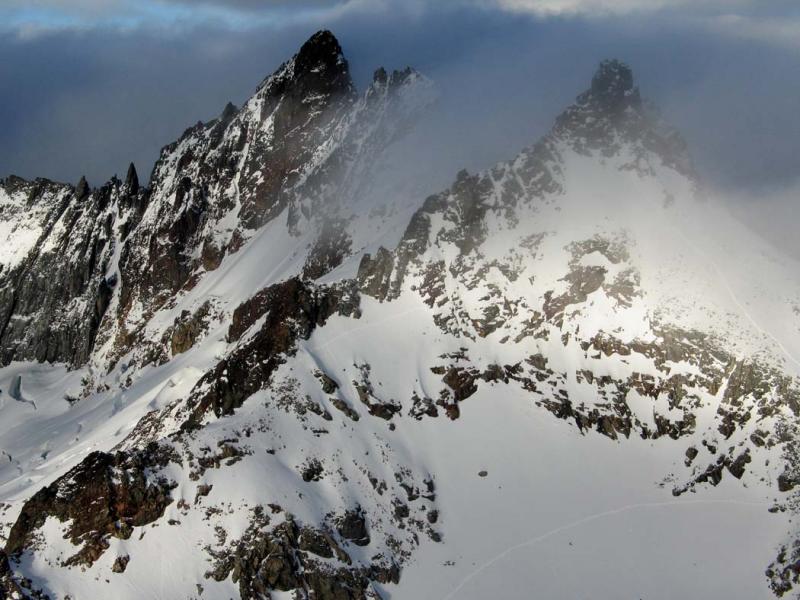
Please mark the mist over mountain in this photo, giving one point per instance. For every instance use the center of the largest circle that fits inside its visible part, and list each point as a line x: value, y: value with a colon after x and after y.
x: 94, y: 91
x: 476, y: 327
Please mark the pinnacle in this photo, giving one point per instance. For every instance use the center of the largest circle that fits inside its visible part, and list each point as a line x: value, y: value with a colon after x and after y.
x: 612, y: 87
x: 132, y: 179
x: 321, y: 50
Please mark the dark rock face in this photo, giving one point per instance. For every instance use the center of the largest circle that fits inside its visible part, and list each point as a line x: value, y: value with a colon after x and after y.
x: 366, y: 394
x: 612, y: 88
x: 345, y: 408
x: 374, y: 273
x: 461, y: 381
x: 115, y: 486
x: 353, y: 526
x: 120, y: 564
x: 53, y: 301
x: 328, y: 252
x: 786, y: 482
x: 292, y: 310
x: 82, y: 189
x: 321, y: 73
x: 8, y: 587
x: 313, y: 471
x: 285, y: 559
x: 583, y: 280
x: 783, y: 578
x: 188, y: 329
x: 784, y: 572
x: 132, y: 180
x: 329, y: 385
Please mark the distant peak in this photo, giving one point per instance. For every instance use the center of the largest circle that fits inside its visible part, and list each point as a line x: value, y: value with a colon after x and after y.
x: 321, y: 50
x: 323, y: 39
x: 612, y: 77
x: 611, y: 112
x: 612, y: 87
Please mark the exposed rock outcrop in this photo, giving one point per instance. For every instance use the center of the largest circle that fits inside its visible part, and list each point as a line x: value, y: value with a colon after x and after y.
x: 107, y: 495
x: 291, y: 311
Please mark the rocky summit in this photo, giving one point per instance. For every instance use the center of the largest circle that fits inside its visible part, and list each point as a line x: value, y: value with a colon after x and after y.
x: 255, y: 377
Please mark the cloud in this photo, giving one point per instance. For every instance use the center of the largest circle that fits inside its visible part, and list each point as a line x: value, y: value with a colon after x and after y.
x: 255, y: 5
x: 34, y: 18
x: 771, y: 212
x: 771, y: 30
x: 87, y: 100
x: 685, y: 8
x: 107, y: 82
x: 580, y: 7
x: 43, y: 13
x: 74, y: 6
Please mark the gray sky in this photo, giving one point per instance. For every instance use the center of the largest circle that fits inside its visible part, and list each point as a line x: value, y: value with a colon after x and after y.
x: 90, y: 85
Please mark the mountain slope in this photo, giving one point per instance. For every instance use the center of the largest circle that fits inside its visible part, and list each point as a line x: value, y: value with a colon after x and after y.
x: 550, y: 368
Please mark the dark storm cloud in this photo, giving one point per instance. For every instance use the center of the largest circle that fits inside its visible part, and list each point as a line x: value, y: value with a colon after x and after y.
x: 258, y: 4
x: 90, y: 99
x: 90, y: 102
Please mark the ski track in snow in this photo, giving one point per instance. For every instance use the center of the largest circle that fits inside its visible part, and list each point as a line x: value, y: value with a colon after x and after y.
x: 721, y: 276
x: 595, y: 517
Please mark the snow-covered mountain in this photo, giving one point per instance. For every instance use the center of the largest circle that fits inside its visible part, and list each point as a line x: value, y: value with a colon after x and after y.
x: 571, y: 375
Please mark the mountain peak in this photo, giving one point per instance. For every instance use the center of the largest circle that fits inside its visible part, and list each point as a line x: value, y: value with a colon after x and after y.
x: 612, y: 77
x: 323, y: 40
x: 612, y: 87
x: 318, y: 68
x: 321, y: 53
x: 605, y: 104
x: 611, y: 112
